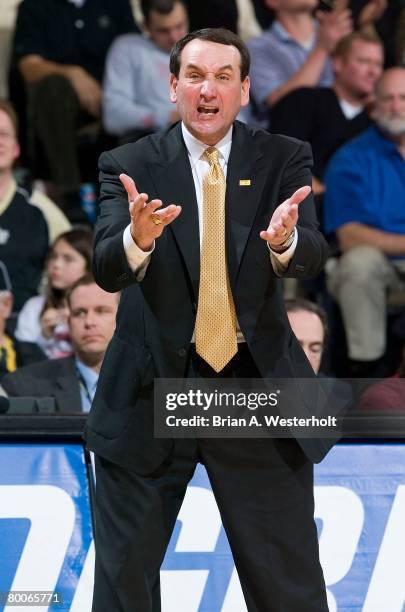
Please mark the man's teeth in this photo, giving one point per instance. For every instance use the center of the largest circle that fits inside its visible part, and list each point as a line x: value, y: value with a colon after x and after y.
x: 209, y: 110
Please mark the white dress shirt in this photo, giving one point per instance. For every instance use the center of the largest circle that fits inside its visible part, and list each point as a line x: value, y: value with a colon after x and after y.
x: 138, y: 260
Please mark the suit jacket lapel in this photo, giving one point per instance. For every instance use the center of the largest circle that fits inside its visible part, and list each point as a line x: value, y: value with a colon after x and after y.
x: 242, y: 200
x: 174, y: 183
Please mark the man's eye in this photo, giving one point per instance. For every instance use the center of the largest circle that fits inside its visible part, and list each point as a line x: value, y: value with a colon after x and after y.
x: 78, y: 313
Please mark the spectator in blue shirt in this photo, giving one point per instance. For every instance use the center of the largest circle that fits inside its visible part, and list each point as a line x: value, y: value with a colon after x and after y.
x: 136, y: 83
x: 364, y: 206
x: 295, y: 51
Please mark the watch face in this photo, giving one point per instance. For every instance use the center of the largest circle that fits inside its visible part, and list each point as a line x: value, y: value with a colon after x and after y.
x: 289, y: 240
x: 284, y: 245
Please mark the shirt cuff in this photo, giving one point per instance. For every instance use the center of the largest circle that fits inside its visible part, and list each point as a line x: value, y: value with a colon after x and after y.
x: 137, y: 259
x: 280, y: 261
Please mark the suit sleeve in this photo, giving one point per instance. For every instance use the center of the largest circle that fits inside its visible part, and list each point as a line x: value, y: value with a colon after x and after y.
x: 312, y: 250
x: 110, y: 265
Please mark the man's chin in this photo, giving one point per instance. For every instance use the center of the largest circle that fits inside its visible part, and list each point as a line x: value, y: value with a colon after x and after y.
x: 91, y: 356
x: 392, y: 127
x: 208, y: 132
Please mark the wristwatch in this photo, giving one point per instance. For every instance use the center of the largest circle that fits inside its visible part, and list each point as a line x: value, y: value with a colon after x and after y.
x: 286, y: 244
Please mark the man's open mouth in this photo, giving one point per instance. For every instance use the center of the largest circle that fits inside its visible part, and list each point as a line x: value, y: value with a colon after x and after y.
x: 207, y: 110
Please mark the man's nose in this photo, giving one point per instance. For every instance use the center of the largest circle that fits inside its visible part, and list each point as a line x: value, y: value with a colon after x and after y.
x: 208, y: 89
x: 90, y: 319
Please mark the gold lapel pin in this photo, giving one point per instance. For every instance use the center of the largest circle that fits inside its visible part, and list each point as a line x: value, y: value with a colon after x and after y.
x: 244, y: 183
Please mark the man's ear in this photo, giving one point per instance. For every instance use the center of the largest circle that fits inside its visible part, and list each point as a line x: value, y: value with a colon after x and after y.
x: 173, y: 88
x: 245, y: 92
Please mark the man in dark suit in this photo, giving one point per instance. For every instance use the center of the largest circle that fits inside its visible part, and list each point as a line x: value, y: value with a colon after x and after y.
x: 72, y: 380
x: 150, y: 250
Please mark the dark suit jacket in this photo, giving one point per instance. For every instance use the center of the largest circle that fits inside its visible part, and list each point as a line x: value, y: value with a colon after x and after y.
x: 51, y: 378
x: 156, y: 316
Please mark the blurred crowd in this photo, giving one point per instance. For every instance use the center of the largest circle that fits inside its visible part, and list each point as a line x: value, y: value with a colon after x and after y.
x: 81, y: 76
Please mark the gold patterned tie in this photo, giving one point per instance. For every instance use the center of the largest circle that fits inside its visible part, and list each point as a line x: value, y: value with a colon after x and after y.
x: 215, y: 328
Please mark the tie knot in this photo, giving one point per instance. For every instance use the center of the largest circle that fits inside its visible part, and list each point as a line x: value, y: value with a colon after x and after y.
x: 211, y: 155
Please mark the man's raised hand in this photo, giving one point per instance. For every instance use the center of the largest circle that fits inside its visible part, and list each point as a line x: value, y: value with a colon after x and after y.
x: 148, y: 219
x: 284, y: 218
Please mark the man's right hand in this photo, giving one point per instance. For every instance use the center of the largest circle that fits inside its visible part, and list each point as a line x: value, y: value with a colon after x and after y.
x: 88, y: 90
x: 147, y: 222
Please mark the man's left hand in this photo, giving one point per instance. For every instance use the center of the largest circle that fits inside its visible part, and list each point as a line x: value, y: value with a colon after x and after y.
x: 284, y: 218
x: 371, y: 12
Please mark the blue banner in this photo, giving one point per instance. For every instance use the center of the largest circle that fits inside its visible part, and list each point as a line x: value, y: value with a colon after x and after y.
x: 46, y: 533
x: 360, y: 514
x: 45, y: 528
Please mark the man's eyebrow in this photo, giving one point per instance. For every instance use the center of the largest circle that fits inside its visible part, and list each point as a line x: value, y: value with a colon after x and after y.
x: 222, y: 68
x: 227, y: 67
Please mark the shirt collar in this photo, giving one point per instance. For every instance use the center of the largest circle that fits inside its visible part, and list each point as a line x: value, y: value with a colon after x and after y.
x: 279, y: 31
x: 383, y: 141
x: 196, y: 148
x: 90, y: 377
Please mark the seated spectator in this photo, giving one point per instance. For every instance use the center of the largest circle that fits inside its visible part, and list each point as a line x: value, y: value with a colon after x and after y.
x: 13, y: 354
x: 43, y: 318
x: 309, y: 324
x: 54, y: 217
x: 386, y: 22
x: 56, y: 220
x: 327, y: 117
x: 23, y: 229
x: 136, y: 82
x: 387, y: 395
x: 72, y: 381
x: 295, y: 51
x: 364, y: 206
x: 60, y: 50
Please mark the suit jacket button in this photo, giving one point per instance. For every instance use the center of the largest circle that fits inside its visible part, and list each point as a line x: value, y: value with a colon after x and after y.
x: 182, y: 352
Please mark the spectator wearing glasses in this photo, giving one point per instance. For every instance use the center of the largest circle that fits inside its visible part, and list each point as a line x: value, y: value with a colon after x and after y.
x: 23, y: 228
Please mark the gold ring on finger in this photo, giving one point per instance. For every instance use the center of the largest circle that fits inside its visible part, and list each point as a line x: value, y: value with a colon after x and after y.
x: 156, y: 220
